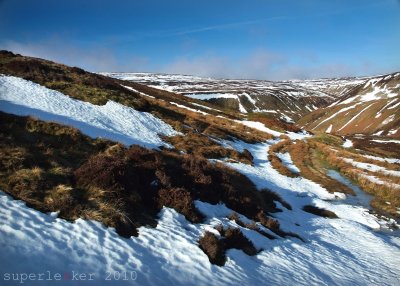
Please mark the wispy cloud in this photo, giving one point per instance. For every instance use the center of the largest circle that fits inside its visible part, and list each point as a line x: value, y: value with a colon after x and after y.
x: 94, y: 58
x: 222, y: 26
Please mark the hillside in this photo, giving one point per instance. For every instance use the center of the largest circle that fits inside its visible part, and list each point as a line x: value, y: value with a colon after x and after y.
x: 371, y: 108
x: 286, y: 100
x: 114, y: 177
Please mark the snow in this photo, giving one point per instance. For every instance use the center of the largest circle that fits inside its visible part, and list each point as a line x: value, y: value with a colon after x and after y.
x: 378, y: 133
x: 336, y: 113
x: 386, y: 141
x: 287, y: 161
x: 384, y: 107
x: 207, y: 96
x: 286, y: 118
x: 354, y: 117
x: 344, y: 251
x: 249, y: 98
x: 260, y: 126
x: 329, y: 129
x: 388, y: 119
x: 188, y: 108
x: 203, y: 106
x: 350, y: 250
x: 378, y: 181
x: 111, y: 121
x: 361, y: 198
x: 394, y: 106
x: 134, y: 90
x: 347, y: 143
x: 372, y: 167
x: 389, y: 160
x: 241, y: 107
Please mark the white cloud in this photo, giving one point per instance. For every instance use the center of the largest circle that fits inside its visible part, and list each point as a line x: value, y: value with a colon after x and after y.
x: 264, y: 64
x: 92, y: 58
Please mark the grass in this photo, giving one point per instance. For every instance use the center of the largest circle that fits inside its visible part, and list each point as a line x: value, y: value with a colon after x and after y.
x: 98, y: 89
x: 56, y: 168
x: 276, y: 162
x: 201, y: 145
x: 382, y: 193
x: 272, y: 122
x: 306, y: 157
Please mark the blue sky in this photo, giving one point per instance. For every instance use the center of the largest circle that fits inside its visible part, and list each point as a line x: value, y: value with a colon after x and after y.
x: 269, y: 39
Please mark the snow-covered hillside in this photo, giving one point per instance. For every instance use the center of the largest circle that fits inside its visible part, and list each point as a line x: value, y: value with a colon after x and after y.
x: 350, y: 250
x: 372, y: 108
x: 287, y: 100
x: 111, y: 121
x: 357, y: 248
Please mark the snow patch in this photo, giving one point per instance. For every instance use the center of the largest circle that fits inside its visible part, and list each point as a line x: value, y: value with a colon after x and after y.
x: 112, y: 121
x: 347, y: 143
x: 329, y: 129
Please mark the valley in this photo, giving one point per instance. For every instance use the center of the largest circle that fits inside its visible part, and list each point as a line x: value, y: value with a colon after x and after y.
x: 185, y: 180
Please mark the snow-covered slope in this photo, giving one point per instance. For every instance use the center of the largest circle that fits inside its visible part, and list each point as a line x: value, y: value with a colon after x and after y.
x: 371, y: 108
x: 344, y: 251
x: 357, y: 248
x: 287, y: 100
x: 111, y: 121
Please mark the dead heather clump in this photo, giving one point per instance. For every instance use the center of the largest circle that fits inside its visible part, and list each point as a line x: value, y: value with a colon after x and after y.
x: 216, y: 248
x: 319, y: 211
x: 276, y: 162
x: 201, y: 145
x: 252, y: 226
x: 56, y: 168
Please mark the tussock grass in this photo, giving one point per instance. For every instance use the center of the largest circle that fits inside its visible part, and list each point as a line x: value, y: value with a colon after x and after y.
x: 276, y: 162
x: 390, y: 150
x: 200, y: 145
x: 382, y: 193
x: 306, y: 157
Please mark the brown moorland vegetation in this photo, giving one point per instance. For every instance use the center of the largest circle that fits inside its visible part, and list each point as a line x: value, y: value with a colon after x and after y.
x: 366, y: 144
x: 200, y: 145
x: 275, y: 123
x: 215, y: 248
x: 319, y: 211
x: 98, y: 89
x: 56, y: 168
x: 382, y: 193
x: 276, y: 162
x: 306, y: 157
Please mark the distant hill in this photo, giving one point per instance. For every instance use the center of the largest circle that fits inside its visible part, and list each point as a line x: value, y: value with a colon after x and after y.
x: 371, y: 107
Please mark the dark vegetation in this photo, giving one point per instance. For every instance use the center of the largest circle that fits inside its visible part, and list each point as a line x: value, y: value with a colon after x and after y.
x: 98, y: 89
x: 319, y: 211
x: 390, y: 150
x: 215, y: 248
x: 199, y: 145
x: 56, y: 168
